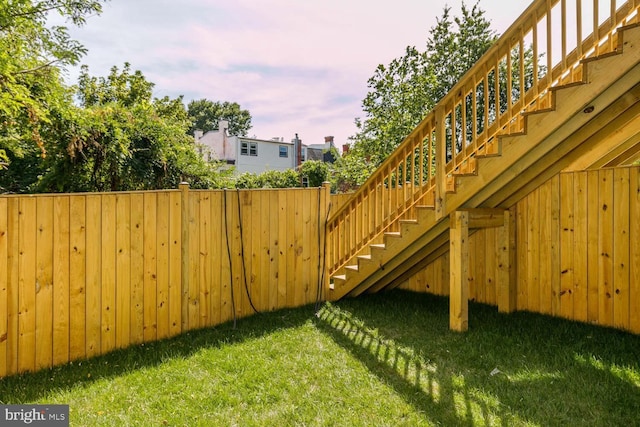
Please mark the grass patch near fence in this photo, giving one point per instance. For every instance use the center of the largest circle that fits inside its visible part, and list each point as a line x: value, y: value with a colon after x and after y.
x: 386, y: 359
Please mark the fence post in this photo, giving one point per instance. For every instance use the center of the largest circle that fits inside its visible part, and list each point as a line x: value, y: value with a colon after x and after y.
x: 441, y: 162
x: 325, y: 246
x: 184, y: 253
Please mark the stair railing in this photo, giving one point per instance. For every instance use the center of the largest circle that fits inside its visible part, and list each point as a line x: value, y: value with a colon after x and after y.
x: 542, y: 49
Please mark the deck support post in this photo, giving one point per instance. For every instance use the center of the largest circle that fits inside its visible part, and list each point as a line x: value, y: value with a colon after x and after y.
x: 459, y: 271
x: 460, y: 223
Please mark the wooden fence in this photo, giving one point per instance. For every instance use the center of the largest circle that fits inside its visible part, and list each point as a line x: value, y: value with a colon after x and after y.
x: 83, y: 274
x: 577, y: 251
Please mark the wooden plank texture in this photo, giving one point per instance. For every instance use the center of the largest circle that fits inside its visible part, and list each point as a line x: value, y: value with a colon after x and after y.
x: 621, y: 248
x: 123, y: 271
x: 4, y: 284
x: 458, y: 273
x: 136, y: 315
x: 77, y: 277
x: 162, y: 265
x: 108, y: 273
x: 61, y: 280
x: 634, y: 255
x: 27, y: 285
x: 150, y: 267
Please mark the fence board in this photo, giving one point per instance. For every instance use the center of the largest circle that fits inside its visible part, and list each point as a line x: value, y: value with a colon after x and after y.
x: 580, y: 255
x: 77, y: 277
x: 93, y: 313
x: 249, y: 255
x: 304, y: 273
x: 634, y: 256
x: 175, y: 263
x: 44, y: 282
x: 544, y: 261
x: 236, y: 287
x: 283, y: 227
x: 593, y: 232
x: 225, y: 272
x: 274, y: 250
x: 522, y: 255
x: 258, y: 263
x: 621, y: 248
x: 13, y: 283
x: 162, y: 254
x: 194, y: 261
x: 491, y: 251
x: 150, y: 267
x: 605, y: 248
x: 61, y: 280
x: 27, y: 285
x: 205, y: 257
x: 533, y: 257
x: 123, y: 271
x: 555, y: 246
x: 292, y: 247
x: 217, y: 254
x: 566, y: 246
x: 109, y: 279
x: 136, y: 317
x: 4, y: 284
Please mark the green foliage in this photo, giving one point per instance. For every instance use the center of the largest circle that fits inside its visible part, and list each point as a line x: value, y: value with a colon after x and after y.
x: 269, y: 179
x: 315, y: 171
x: 125, y: 141
x: 30, y: 51
x: 205, y: 114
x: 350, y: 171
x: 119, y: 87
x: 404, y: 91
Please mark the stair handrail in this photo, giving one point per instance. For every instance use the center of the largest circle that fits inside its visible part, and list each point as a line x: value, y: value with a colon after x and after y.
x: 453, y: 140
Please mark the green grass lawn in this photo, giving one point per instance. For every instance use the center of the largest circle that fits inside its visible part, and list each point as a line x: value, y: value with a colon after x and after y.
x: 386, y: 359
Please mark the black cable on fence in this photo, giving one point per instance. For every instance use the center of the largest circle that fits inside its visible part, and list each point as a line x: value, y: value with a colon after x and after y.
x: 244, y: 266
x: 226, y: 228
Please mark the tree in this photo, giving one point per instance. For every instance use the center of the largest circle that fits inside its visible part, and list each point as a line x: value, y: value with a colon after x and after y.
x: 315, y: 171
x: 121, y: 139
x: 30, y: 51
x: 206, y: 114
x: 404, y: 91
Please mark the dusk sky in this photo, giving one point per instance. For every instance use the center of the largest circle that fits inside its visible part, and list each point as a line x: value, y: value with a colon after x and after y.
x: 298, y: 66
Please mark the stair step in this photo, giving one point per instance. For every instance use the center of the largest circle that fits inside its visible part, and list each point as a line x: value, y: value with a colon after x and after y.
x: 408, y: 221
x: 364, y: 257
x: 351, y: 267
x: 392, y: 234
x: 380, y: 246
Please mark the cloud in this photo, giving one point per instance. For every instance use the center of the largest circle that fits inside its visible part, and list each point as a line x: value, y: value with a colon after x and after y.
x: 297, y: 66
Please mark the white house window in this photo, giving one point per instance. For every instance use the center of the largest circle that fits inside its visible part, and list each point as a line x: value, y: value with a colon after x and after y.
x: 249, y: 148
x: 304, y: 154
x: 284, y: 151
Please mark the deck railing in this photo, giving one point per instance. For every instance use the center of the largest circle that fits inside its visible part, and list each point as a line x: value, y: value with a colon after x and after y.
x: 542, y: 49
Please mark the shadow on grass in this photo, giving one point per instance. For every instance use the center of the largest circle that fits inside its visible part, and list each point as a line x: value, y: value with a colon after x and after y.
x: 508, y: 369
x: 33, y: 387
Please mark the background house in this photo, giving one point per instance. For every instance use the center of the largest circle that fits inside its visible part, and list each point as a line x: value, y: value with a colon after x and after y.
x: 258, y: 155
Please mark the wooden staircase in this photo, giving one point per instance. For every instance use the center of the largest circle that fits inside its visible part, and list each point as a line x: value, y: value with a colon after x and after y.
x: 461, y: 159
